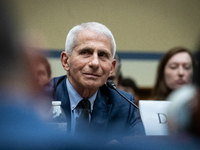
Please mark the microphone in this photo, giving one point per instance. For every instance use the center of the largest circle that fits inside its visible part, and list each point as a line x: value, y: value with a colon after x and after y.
x: 111, y: 85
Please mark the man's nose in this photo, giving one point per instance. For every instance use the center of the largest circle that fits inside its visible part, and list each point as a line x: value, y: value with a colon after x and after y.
x: 94, y: 61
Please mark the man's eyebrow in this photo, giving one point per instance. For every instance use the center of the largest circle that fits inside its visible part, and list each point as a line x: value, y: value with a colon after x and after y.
x: 104, y: 51
x: 85, y: 49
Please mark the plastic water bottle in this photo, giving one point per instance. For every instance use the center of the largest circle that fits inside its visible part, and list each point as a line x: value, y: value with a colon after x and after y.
x: 58, y: 117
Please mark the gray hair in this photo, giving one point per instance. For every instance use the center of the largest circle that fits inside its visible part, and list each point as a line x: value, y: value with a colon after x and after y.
x: 93, y: 26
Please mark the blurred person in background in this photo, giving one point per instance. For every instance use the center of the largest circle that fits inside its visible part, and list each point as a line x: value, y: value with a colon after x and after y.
x: 184, y: 113
x: 33, y: 45
x: 129, y: 85
x: 43, y: 70
x: 42, y: 75
x: 35, y: 42
x: 116, y: 76
x: 175, y: 69
x: 183, y: 120
x: 21, y: 125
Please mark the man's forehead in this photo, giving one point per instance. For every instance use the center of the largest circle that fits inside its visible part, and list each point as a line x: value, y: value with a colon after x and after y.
x: 88, y: 34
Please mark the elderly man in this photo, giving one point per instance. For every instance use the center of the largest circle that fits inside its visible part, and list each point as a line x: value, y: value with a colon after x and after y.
x: 89, y: 60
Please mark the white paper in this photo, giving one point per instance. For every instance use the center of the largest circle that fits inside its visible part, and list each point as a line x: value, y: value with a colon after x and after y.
x: 154, y: 117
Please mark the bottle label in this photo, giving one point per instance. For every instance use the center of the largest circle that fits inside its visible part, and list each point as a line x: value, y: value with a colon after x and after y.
x: 58, y: 117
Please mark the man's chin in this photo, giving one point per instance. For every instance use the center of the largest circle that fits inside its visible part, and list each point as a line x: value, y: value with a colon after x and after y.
x: 93, y: 85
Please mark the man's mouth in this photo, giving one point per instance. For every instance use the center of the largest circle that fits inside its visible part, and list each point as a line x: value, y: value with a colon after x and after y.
x: 91, y: 75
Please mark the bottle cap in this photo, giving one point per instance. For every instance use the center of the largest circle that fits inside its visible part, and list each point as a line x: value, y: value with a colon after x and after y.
x: 56, y: 103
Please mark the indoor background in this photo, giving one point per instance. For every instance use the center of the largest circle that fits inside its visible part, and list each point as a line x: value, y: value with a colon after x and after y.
x: 143, y: 29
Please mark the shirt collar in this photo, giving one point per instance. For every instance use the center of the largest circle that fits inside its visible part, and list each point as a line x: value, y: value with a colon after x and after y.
x: 75, y: 98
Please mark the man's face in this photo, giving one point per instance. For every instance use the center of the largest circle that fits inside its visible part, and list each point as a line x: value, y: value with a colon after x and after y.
x: 91, y: 61
x: 178, y: 70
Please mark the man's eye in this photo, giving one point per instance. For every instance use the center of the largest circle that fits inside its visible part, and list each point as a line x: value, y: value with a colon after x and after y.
x: 102, y: 54
x: 84, y: 52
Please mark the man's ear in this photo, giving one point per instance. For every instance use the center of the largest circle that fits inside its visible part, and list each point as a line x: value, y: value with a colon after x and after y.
x: 64, y: 60
x: 113, y: 67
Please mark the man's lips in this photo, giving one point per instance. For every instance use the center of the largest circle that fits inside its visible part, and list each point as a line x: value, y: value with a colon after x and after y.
x: 91, y: 75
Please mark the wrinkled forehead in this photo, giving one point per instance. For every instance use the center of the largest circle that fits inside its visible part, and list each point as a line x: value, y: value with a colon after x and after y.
x: 88, y: 33
x: 92, y: 35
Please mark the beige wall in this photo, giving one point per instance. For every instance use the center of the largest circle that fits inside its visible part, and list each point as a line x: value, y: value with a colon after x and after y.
x: 137, y: 25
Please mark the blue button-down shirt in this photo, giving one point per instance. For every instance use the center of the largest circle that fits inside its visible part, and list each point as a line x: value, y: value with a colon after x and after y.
x: 75, y: 98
